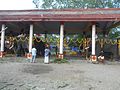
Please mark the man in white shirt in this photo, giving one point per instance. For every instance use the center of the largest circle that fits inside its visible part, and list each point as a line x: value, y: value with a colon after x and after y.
x: 47, y: 55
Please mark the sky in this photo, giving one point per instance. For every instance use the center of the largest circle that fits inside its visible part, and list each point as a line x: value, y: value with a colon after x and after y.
x: 16, y: 4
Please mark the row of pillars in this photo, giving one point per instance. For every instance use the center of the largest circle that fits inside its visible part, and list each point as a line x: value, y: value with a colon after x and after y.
x: 61, y: 40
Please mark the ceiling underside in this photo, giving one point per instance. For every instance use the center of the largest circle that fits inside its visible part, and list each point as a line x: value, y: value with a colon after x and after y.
x: 54, y: 27
x: 48, y: 21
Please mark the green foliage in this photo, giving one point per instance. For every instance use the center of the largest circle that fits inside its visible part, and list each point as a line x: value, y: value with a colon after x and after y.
x: 74, y: 38
x: 36, y: 2
x: 59, y: 61
x: 114, y: 33
x: 59, y: 4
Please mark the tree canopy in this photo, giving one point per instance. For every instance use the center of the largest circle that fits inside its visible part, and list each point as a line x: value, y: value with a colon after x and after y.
x: 59, y: 4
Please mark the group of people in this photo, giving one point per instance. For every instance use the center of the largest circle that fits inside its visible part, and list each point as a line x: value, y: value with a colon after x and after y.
x: 46, y: 54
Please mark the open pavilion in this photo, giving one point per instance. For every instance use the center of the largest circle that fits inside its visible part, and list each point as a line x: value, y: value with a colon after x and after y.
x: 58, y: 21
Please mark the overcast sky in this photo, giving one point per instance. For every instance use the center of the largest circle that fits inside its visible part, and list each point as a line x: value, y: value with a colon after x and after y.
x: 16, y: 4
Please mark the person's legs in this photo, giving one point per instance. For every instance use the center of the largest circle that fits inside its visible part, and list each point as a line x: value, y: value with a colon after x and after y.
x: 34, y: 58
x: 46, y: 59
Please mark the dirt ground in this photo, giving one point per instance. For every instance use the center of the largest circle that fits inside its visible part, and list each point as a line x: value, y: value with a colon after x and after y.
x: 20, y: 74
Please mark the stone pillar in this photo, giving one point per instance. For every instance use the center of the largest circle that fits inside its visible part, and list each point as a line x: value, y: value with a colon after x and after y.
x: 93, y: 56
x: 61, y: 41
x: 2, y: 40
x: 29, y: 55
x: 118, y: 42
x: 93, y: 39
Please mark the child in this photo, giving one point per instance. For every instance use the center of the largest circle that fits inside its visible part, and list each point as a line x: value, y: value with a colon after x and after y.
x: 101, y: 57
x: 34, y: 51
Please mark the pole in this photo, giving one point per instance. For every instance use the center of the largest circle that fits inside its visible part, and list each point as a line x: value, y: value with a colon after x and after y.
x: 2, y: 37
x: 30, y: 38
x: 93, y: 56
x: 61, y: 40
x: 93, y: 39
x: 2, y: 40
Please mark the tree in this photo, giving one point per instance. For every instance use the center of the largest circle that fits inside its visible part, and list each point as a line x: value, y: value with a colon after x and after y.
x: 36, y: 2
x: 114, y: 33
x: 59, y: 4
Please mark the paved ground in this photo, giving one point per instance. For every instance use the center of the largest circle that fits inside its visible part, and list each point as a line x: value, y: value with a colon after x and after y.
x: 19, y: 74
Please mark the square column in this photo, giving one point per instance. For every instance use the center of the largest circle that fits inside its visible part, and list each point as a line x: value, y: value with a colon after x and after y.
x: 2, y: 40
x: 93, y: 56
x: 29, y: 55
x: 61, y: 40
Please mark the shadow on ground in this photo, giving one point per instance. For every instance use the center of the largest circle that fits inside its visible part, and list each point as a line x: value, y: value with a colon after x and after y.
x: 37, y: 69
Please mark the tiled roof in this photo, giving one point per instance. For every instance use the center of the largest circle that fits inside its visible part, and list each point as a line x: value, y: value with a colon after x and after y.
x: 61, y: 15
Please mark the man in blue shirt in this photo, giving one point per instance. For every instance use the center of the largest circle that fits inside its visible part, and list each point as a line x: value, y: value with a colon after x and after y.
x: 34, y: 52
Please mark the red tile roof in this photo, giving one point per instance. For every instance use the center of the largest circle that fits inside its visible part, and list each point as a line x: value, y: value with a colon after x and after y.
x: 112, y: 14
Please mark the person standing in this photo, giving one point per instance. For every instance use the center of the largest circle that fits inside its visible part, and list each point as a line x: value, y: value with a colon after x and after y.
x: 34, y: 53
x: 47, y: 55
x: 56, y: 49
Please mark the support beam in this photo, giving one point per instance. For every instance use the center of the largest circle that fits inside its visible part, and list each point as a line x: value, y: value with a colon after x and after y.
x: 93, y: 38
x: 93, y: 56
x: 61, y: 40
x: 30, y: 38
x: 29, y: 56
x: 2, y: 40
